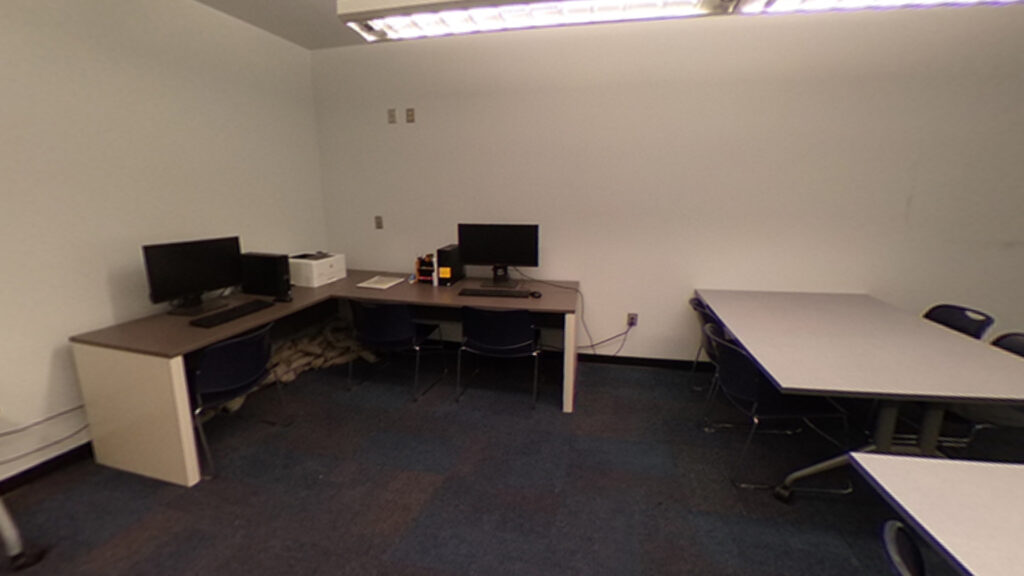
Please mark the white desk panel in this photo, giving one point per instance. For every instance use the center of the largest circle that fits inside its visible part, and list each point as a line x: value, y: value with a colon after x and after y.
x: 973, y: 512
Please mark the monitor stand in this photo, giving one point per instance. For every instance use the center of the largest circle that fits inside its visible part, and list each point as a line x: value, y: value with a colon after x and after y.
x: 500, y: 278
x: 194, y: 305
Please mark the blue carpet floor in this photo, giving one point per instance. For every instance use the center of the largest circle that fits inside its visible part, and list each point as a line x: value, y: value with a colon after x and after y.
x: 365, y: 481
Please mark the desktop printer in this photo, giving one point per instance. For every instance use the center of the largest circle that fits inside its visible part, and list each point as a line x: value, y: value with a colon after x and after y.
x: 316, y: 268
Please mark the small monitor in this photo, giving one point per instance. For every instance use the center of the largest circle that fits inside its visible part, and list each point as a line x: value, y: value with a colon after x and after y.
x: 181, y: 272
x: 500, y: 246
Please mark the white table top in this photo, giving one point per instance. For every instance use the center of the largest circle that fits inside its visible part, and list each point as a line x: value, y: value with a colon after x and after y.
x: 973, y: 512
x: 857, y: 345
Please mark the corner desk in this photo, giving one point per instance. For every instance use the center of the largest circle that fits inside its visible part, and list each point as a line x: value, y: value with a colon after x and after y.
x: 132, y: 375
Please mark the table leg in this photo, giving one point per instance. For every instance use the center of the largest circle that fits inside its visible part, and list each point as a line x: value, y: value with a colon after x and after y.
x: 885, y: 428
x: 885, y: 425
x: 931, y: 426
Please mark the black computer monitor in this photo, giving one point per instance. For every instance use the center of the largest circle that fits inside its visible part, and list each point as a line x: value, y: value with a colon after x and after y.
x: 181, y: 272
x: 500, y: 246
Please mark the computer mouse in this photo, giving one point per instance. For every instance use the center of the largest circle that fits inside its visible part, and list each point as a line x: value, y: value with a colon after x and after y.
x: 535, y: 294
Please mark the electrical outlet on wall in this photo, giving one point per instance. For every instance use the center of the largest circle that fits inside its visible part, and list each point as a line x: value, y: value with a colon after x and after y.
x: 631, y: 319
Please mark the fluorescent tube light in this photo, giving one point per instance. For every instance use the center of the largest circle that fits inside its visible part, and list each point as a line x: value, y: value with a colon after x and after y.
x: 784, y: 6
x: 378, y: 20
x: 519, y: 16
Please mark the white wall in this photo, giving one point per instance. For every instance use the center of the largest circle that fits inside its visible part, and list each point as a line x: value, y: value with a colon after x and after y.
x: 124, y: 123
x: 876, y: 151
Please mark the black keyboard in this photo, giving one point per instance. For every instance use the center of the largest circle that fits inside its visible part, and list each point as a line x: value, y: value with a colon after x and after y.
x: 495, y: 292
x: 229, y: 314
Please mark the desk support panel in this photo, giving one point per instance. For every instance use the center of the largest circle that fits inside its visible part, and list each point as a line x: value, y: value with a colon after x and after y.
x: 139, y: 412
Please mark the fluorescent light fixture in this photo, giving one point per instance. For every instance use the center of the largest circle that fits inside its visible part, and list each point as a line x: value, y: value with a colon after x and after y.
x: 784, y: 6
x: 377, y: 20
x: 468, y: 20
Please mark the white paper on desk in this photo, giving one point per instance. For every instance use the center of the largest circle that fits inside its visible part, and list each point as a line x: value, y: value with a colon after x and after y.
x: 380, y: 282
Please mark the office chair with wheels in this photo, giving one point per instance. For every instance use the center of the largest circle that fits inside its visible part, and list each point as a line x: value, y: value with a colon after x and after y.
x: 224, y: 372
x: 965, y: 320
x: 747, y: 388
x: 499, y: 334
x: 903, y: 554
x: 390, y: 328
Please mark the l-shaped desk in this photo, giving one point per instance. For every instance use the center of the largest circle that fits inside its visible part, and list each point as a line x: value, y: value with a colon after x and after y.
x: 132, y: 375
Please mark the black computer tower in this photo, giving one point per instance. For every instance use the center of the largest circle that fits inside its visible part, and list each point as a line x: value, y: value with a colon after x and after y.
x: 266, y: 275
x: 449, y: 265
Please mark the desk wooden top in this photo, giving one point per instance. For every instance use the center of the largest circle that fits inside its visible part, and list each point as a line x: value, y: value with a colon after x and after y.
x: 973, y: 512
x: 170, y: 336
x: 857, y: 345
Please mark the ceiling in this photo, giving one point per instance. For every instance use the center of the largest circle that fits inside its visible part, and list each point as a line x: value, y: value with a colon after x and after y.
x: 311, y: 24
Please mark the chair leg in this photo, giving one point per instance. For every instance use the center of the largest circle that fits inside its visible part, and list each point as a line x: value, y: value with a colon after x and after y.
x: 536, y: 362
x: 709, y: 405
x: 286, y: 413
x: 696, y: 357
x: 206, y: 445
x: 743, y: 454
x: 18, y: 556
x: 458, y: 375
x: 416, y: 376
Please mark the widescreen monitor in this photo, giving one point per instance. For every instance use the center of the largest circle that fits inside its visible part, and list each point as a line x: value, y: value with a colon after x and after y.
x: 500, y: 246
x: 181, y: 272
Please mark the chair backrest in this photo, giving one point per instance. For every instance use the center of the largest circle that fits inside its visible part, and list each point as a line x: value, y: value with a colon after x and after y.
x: 904, y: 556
x: 1011, y: 342
x: 965, y: 320
x: 706, y: 317
x: 383, y: 325
x: 237, y: 363
x: 498, y: 332
x: 738, y: 374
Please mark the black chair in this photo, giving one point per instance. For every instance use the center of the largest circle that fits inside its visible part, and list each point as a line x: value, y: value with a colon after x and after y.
x: 747, y: 388
x: 977, y: 417
x: 390, y: 328
x: 904, y: 556
x: 1011, y: 342
x: 499, y: 334
x: 224, y: 372
x: 705, y: 316
x: 967, y: 321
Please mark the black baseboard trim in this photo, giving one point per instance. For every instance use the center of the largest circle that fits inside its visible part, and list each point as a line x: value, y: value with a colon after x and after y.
x: 82, y: 452
x: 649, y: 362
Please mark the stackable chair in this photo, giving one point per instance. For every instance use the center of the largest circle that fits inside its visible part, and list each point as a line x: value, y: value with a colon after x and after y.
x: 969, y: 322
x: 904, y: 556
x: 965, y: 320
x: 978, y: 417
x: 224, y: 372
x: 498, y: 334
x: 705, y: 316
x: 390, y: 328
x: 747, y: 388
